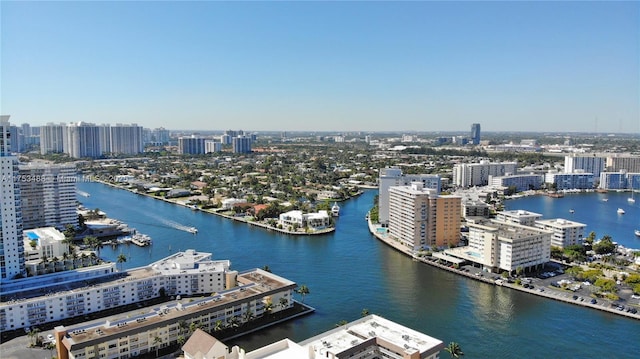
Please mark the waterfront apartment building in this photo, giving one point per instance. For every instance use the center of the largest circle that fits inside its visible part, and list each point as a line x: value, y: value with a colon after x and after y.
x: 48, y: 195
x: 613, y: 180
x: 477, y: 174
x: 497, y: 246
x: 191, y: 145
x: 475, y: 134
x: 52, y: 138
x: 420, y: 218
x: 564, y: 232
x: 581, y: 163
x: 49, y: 243
x: 519, y: 216
x: 524, y: 182
x: 570, y: 181
x: 49, y: 298
x: 247, y: 296
x: 627, y: 163
x: 392, y: 176
x: 12, y: 253
x: 366, y: 338
x: 241, y: 144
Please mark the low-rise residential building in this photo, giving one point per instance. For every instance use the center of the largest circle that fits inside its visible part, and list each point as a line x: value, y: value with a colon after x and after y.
x: 48, y: 298
x: 518, y: 216
x: 565, y: 232
x: 249, y: 295
x: 570, y: 181
x: 523, y: 182
x: 366, y: 338
x: 497, y: 245
x: 313, y: 221
x: 47, y: 242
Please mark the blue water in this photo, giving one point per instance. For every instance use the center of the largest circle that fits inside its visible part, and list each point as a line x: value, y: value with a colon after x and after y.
x: 349, y: 270
x: 589, y: 208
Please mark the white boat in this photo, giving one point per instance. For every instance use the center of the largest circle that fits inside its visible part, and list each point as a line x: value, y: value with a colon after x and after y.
x: 631, y: 199
x: 335, y: 210
x: 620, y: 211
x: 141, y: 240
x: 193, y: 230
x: 571, y: 211
x: 605, y: 199
x: 637, y: 232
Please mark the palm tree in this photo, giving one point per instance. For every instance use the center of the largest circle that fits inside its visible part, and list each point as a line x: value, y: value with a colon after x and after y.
x: 454, y: 350
x: 93, y: 243
x: 121, y: 259
x: 365, y: 312
x: 284, y: 302
x: 248, y: 315
x: 33, y: 334
x: 181, y: 340
x: 182, y: 326
x: 303, y: 290
x: 156, y: 342
x: 217, y: 326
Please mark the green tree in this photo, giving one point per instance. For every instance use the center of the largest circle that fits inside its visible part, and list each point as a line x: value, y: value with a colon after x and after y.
x: 156, y: 342
x: 93, y: 243
x: 121, y: 259
x: 604, y: 246
x: 454, y: 350
x: 364, y: 312
x: 33, y: 334
x: 341, y: 323
x: 181, y: 340
x: 303, y: 290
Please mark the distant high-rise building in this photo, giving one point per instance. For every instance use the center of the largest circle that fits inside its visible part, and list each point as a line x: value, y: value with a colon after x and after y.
x: 83, y: 140
x: 160, y: 135
x: 393, y: 177
x: 212, y: 146
x: 126, y: 139
x: 11, y: 242
x: 475, y: 133
x: 592, y: 164
x: 191, y: 145
x: 241, y: 144
x: 52, y: 138
x: 48, y: 194
x: 17, y: 139
x: 477, y: 174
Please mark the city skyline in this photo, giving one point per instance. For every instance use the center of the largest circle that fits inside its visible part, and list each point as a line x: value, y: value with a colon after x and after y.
x: 332, y: 66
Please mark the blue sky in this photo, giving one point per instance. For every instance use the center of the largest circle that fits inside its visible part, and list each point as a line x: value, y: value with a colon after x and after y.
x: 343, y: 66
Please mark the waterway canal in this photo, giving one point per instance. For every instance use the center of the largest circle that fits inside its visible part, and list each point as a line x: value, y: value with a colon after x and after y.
x: 349, y: 270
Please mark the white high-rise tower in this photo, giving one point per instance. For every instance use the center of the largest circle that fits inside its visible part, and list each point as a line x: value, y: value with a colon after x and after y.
x: 11, y: 243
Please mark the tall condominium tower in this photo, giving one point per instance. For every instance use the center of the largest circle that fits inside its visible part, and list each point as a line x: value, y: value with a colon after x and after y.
x: 52, y: 138
x: 241, y: 144
x: 191, y: 145
x: 586, y: 164
x: 420, y: 218
x: 477, y: 174
x: 48, y: 194
x: 475, y: 133
x: 393, y: 177
x: 126, y: 139
x: 83, y: 140
x: 11, y: 242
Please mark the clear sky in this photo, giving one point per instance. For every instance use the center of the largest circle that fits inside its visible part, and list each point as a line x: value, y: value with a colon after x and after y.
x: 343, y: 66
